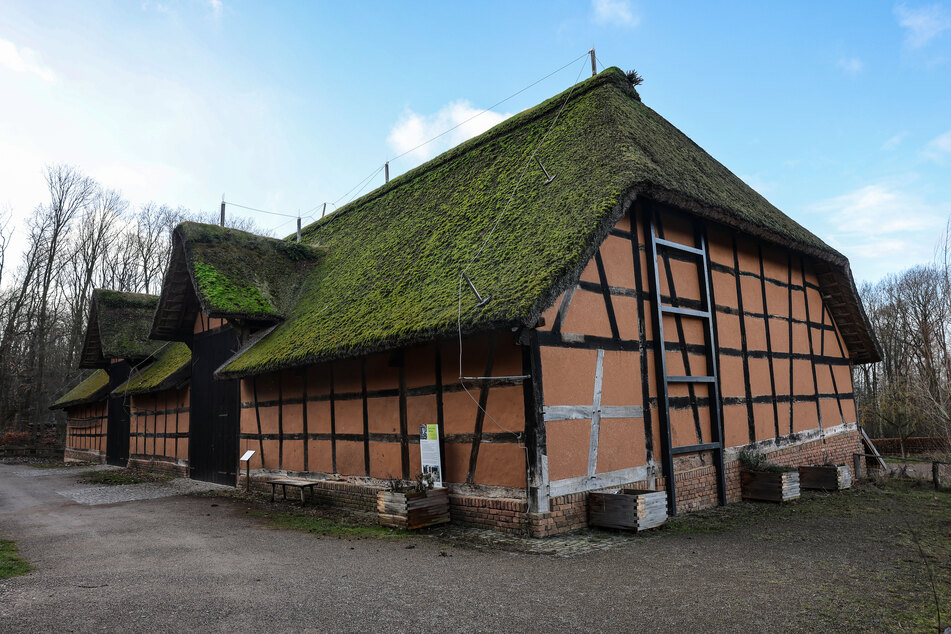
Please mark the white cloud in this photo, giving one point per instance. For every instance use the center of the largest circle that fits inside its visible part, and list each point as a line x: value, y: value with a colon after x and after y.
x: 460, y: 117
x: 939, y: 148
x: 882, y: 228
x: 922, y: 24
x: 850, y: 65
x: 24, y: 60
x: 894, y: 141
x: 216, y: 7
x: 878, y: 210
x: 614, y: 12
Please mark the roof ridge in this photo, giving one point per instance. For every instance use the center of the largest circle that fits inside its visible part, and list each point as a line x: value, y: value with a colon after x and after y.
x: 612, y: 74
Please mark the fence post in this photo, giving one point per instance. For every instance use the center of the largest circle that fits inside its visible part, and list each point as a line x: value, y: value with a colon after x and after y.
x: 936, y: 474
x: 857, y: 459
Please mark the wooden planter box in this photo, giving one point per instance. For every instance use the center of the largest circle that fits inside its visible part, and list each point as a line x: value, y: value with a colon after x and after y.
x: 414, y: 509
x: 770, y: 486
x: 825, y: 477
x: 629, y: 509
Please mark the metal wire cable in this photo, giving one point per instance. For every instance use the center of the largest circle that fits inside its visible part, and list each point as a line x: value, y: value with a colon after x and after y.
x: 492, y: 107
x: 263, y: 211
x: 485, y: 243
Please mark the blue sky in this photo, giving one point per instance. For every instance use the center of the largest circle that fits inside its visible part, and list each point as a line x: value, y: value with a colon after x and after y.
x: 839, y: 113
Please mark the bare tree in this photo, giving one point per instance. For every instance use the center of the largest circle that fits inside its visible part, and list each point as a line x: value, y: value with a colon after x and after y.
x: 70, y: 192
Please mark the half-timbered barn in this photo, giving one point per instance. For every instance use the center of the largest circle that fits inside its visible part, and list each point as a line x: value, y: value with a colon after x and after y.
x: 220, y: 286
x: 116, y: 340
x: 158, y: 395
x: 580, y: 298
x: 87, y: 411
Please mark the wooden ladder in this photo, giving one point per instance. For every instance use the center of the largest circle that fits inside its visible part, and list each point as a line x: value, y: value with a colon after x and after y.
x: 711, y: 378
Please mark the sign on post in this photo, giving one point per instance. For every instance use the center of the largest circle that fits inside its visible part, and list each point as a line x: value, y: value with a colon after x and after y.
x: 429, y: 452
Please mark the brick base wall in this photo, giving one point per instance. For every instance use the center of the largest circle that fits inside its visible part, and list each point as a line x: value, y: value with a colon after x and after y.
x: 696, y: 489
x: 158, y: 464
x: 501, y: 514
x: 566, y: 513
x: 84, y: 455
x: 356, y: 497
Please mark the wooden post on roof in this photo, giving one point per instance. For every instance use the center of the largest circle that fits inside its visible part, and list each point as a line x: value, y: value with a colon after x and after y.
x: 324, y: 211
x: 298, y: 228
x: 222, y: 211
x: 386, y: 169
x: 594, y: 67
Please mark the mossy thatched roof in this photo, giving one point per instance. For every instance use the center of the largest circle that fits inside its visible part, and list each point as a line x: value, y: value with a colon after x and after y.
x: 171, y: 369
x: 391, y: 275
x: 229, y: 274
x: 118, y: 327
x: 93, y: 388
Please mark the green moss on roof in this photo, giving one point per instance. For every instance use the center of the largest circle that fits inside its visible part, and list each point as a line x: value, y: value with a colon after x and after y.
x: 90, y: 389
x: 170, y: 368
x: 391, y: 273
x: 119, y: 327
x: 239, y: 274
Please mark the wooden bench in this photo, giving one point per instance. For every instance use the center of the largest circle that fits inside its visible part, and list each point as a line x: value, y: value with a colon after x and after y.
x: 300, y: 483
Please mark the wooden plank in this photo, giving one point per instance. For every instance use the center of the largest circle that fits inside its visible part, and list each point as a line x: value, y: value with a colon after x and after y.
x: 629, y: 509
x: 594, y: 436
x: 480, y: 413
x: 746, y: 364
x: 535, y: 437
x: 599, y: 481
x: 769, y: 486
x: 585, y: 412
x: 642, y: 340
x: 606, y: 293
x: 562, y: 310
x: 812, y: 356
x: 825, y: 477
x: 404, y: 423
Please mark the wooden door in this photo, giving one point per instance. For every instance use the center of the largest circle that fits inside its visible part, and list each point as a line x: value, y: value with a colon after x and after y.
x: 117, y: 430
x: 213, y: 428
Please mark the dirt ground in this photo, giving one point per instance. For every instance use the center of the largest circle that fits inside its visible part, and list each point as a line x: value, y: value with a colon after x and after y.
x: 847, y: 561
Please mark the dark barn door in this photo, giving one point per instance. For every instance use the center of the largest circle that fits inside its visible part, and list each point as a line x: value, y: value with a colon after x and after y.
x: 213, y: 428
x: 117, y: 430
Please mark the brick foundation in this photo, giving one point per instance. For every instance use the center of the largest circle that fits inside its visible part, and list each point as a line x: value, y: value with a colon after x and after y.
x: 696, y: 486
x: 159, y: 464
x: 84, y: 455
x: 502, y: 514
x: 696, y: 489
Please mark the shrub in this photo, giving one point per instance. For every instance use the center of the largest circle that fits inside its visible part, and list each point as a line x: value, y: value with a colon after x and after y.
x: 755, y: 461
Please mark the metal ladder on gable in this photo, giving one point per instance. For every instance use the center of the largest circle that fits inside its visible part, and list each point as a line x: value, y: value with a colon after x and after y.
x: 699, y: 253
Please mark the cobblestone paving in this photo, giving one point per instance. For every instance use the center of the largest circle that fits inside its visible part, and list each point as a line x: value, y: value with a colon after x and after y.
x: 112, y: 494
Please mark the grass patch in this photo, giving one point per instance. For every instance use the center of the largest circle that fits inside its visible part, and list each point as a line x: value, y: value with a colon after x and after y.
x: 326, y: 527
x: 119, y: 477
x: 898, y: 515
x: 11, y: 564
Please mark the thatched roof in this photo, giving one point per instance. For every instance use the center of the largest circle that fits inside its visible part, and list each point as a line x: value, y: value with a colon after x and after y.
x: 390, y: 277
x: 171, y: 369
x: 118, y: 328
x: 229, y: 274
x: 93, y: 388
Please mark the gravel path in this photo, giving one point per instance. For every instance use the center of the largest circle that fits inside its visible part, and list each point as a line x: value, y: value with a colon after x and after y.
x: 111, y: 494
x: 202, y: 563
